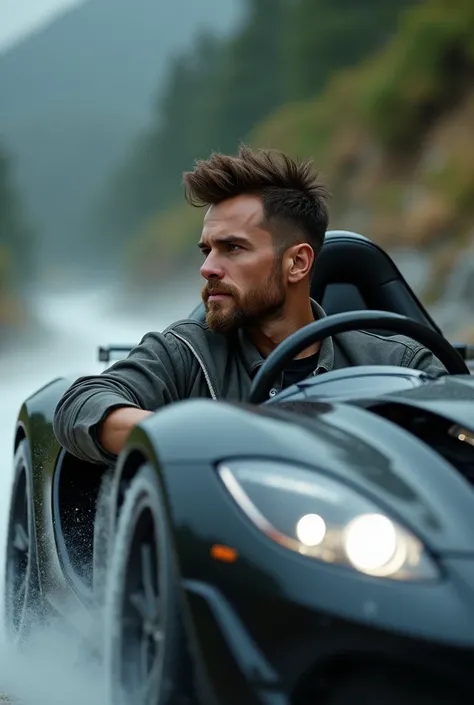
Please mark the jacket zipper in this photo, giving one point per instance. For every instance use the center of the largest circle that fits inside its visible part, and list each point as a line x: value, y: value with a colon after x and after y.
x: 201, y: 363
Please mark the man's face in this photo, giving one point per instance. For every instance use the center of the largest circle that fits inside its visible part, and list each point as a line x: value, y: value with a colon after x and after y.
x: 245, y: 286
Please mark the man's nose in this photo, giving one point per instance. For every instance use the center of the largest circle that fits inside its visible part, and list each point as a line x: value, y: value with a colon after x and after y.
x: 212, y: 267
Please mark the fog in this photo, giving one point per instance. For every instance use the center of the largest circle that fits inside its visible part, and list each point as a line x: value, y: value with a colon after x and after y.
x: 105, y: 105
x: 70, y: 122
x: 72, y: 325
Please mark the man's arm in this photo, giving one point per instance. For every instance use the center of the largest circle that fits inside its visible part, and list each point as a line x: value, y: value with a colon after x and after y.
x: 424, y: 360
x: 114, y: 429
x: 87, y: 421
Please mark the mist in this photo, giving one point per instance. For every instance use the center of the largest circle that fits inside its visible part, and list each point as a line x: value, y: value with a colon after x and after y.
x: 104, y: 107
x: 57, y: 667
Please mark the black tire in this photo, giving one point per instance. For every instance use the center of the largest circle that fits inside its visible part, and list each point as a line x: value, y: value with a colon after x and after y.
x: 22, y: 595
x: 144, y: 651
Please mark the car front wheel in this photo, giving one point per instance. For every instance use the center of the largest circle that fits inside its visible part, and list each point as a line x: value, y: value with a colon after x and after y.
x: 144, y: 637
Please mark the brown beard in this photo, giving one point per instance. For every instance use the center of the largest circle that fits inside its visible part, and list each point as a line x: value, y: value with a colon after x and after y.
x: 259, y: 305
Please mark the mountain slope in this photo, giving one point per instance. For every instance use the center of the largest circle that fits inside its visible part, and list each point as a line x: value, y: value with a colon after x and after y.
x: 75, y: 94
x: 392, y: 136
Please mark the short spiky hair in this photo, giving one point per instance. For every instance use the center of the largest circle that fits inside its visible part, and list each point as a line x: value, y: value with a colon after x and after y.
x: 294, y: 201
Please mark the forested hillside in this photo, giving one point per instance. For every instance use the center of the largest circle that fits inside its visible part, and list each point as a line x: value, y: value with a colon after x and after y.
x: 215, y: 95
x: 394, y: 137
x: 16, y: 247
x: 380, y: 94
x: 74, y: 95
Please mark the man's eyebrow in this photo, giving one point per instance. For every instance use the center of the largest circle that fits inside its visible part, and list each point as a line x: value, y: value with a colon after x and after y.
x: 226, y: 239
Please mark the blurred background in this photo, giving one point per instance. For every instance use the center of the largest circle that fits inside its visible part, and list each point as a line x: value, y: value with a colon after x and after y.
x: 104, y: 103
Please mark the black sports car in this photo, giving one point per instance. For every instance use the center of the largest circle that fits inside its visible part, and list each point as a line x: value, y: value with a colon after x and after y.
x: 312, y: 547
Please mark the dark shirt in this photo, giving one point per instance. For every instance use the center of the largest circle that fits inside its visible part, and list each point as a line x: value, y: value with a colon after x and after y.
x: 299, y: 369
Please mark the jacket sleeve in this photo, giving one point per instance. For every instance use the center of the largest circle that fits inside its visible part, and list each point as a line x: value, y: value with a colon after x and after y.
x: 424, y: 360
x: 155, y: 373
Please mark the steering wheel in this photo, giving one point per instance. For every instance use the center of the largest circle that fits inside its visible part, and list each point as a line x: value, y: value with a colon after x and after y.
x: 349, y: 321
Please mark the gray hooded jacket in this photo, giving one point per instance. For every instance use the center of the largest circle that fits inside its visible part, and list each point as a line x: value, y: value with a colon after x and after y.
x: 189, y: 360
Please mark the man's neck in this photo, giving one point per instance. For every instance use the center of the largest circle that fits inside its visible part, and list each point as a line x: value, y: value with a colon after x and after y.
x: 271, y: 334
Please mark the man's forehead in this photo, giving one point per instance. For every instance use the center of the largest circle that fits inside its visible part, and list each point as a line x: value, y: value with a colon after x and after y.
x: 241, y: 211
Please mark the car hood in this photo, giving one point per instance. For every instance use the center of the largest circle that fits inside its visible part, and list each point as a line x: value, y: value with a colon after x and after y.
x: 450, y: 397
x: 403, y: 475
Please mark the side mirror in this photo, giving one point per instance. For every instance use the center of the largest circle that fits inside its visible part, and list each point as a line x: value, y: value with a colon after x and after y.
x: 105, y: 352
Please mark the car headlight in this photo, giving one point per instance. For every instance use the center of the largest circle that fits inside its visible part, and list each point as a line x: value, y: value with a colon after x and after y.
x: 320, y: 517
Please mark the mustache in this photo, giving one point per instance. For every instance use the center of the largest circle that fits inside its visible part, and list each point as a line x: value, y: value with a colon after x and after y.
x: 211, y: 289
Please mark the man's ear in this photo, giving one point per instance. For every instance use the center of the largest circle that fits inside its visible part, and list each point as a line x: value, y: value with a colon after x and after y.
x: 300, y: 260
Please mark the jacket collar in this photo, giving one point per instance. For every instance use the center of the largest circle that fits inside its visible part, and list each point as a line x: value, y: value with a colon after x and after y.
x: 253, y: 359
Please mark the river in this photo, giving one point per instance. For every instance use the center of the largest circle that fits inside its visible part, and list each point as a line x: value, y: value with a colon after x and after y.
x: 73, y: 325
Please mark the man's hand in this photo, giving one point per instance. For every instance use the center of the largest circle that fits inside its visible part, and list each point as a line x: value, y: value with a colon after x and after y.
x: 116, y: 426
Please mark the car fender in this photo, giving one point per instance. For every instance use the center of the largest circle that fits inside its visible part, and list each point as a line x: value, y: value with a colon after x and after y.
x: 387, y: 464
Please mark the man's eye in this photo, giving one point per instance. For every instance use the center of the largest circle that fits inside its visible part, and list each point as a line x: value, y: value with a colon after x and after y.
x: 233, y: 248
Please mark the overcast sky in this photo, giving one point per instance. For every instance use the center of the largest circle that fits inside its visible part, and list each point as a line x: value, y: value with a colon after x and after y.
x: 18, y: 17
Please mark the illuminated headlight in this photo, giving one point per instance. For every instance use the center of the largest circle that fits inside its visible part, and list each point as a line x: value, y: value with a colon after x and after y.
x: 462, y: 434
x: 320, y: 517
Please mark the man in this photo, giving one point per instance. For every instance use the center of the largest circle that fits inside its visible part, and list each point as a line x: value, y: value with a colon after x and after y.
x: 265, y: 222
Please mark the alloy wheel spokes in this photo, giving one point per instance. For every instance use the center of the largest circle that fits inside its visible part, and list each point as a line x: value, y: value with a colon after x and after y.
x: 151, y: 684
x: 144, y: 619
x: 146, y: 674
x: 151, y: 590
x: 146, y: 600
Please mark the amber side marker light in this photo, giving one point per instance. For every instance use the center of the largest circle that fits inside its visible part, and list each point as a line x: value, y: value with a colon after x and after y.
x: 226, y: 554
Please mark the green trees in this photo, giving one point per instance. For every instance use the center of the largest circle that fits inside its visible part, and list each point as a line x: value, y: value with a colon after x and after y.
x: 150, y: 178
x: 214, y: 95
x: 15, y: 241
x: 430, y: 64
x: 326, y: 35
x: 284, y: 50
